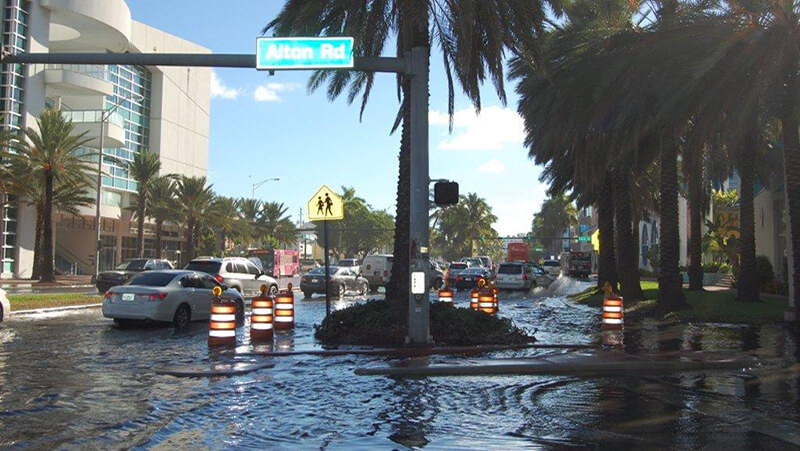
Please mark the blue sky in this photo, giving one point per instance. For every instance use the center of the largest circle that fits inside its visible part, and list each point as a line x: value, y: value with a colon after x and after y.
x: 270, y: 126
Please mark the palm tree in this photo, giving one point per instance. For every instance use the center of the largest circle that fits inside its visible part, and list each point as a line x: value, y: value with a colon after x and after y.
x: 473, y: 36
x: 274, y: 226
x: 53, y: 153
x: 227, y: 220
x: 195, y: 198
x: 161, y: 205
x: 143, y: 169
x: 250, y: 212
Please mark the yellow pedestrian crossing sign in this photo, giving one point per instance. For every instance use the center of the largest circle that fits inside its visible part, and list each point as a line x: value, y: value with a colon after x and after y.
x: 325, y: 205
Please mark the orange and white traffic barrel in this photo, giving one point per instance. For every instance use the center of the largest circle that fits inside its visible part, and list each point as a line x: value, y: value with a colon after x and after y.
x: 284, y: 309
x: 446, y: 296
x: 473, y: 298
x: 486, y: 301
x: 613, y: 316
x: 495, y: 292
x: 261, y: 316
x: 222, y: 324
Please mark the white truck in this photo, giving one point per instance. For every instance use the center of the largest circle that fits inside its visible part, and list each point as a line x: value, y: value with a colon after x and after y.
x: 578, y: 264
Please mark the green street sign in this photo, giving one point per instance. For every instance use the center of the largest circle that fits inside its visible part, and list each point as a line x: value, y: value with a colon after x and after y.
x: 584, y: 239
x: 538, y: 249
x: 304, y: 53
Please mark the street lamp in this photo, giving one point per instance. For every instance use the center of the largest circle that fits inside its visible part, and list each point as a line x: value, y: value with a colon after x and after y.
x: 104, y: 115
x: 258, y: 185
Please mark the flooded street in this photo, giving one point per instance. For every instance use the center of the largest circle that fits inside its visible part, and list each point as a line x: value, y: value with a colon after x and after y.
x: 74, y: 380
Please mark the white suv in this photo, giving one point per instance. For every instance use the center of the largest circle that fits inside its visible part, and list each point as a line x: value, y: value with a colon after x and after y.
x: 238, y: 273
x: 552, y: 268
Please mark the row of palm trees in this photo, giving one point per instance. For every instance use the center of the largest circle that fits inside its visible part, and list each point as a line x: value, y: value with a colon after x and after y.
x: 612, y: 92
x: 50, y: 169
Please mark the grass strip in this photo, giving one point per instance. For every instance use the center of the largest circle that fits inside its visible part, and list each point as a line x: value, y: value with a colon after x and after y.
x: 37, y: 301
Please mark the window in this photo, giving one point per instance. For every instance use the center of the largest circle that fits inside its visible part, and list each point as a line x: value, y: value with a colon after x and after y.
x: 229, y: 267
x: 151, y: 279
x: 205, y: 266
x: 241, y: 268
x: 252, y: 269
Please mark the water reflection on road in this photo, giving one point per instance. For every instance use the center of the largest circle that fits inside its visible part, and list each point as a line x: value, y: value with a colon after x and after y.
x: 72, y: 379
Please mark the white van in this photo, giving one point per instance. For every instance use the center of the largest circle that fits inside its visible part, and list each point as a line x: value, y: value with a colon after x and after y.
x: 377, y: 269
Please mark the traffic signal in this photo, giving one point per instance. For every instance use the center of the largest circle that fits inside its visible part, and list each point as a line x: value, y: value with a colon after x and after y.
x: 445, y: 193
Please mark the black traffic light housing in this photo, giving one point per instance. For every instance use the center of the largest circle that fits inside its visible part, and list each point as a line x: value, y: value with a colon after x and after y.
x: 445, y: 193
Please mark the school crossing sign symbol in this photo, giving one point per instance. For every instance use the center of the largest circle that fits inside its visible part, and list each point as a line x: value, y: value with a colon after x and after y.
x: 325, y: 205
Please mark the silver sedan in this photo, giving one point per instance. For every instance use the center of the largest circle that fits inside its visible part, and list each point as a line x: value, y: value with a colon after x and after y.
x: 175, y: 296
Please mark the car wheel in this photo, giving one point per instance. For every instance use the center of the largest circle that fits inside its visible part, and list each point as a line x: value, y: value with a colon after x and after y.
x: 182, y: 318
x: 364, y: 289
x: 307, y: 294
x: 123, y: 323
x: 273, y: 290
x: 342, y: 290
x: 373, y: 289
x: 437, y: 284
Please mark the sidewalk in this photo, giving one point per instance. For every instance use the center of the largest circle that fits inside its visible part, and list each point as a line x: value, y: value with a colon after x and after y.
x: 764, y: 296
x: 62, y: 283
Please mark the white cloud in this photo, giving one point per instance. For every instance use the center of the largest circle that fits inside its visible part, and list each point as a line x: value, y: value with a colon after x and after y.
x: 269, y: 92
x: 493, y: 129
x: 492, y: 166
x: 218, y: 88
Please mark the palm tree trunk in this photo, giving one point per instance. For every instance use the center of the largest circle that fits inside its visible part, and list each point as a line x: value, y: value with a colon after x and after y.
x: 159, y: 232
x: 48, y: 270
x: 627, y: 267
x: 607, y: 271
x: 140, y: 225
x: 670, y: 282
x: 791, y: 168
x: 190, y: 239
x: 37, y: 245
x: 695, y: 180
x: 747, y: 286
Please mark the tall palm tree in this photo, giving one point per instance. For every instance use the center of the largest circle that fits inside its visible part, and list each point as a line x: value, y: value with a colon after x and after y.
x: 275, y: 227
x: 143, y: 169
x: 195, y: 197
x: 250, y: 212
x: 227, y: 222
x: 473, y: 36
x: 161, y: 205
x: 53, y: 152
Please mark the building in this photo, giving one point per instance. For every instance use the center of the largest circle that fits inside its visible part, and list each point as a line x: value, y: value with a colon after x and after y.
x: 162, y: 109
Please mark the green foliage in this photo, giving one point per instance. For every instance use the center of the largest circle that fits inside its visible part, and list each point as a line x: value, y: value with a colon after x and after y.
x: 362, y: 231
x: 554, y: 217
x: 716, y: 267
x: 466, y: 229
x: 375, y: 323
x: 654, y: 257
x: 764, y: 271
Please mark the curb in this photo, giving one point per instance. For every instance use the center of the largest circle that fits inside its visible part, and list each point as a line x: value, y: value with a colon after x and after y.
x: 55, y: 309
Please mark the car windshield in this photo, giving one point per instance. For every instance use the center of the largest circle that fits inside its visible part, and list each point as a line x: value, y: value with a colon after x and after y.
x: 206, y: 266
x: 458, y: 266
x: 472, y: 271
x: 152, y: 279
x: 510, y: 269
x: 551, y: 263
x: 132, y: 265
x: 485, y: 261
x: 321, y: 270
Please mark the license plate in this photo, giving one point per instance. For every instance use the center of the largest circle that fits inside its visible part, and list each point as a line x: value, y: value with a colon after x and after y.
x: 468, y: 279
x: 314, y: 280
x: 128, y: 296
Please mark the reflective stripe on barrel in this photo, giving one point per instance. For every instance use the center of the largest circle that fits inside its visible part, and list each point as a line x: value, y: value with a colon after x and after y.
x: 284, y: 310
x: 446, y: 296
x: 473, y: 299
x: 261, y: 318
x: 486, y: 302
x: 222, y: 323
x: 613, y: 316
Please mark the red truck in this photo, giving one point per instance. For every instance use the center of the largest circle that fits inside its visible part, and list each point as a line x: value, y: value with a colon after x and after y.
x: 517, y: 252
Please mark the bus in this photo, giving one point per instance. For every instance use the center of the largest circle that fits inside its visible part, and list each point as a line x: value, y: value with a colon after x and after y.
x: 277, y: 262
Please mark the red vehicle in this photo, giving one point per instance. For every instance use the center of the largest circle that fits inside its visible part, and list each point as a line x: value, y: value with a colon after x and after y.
x: 278, y: 262
x: 517, y: 252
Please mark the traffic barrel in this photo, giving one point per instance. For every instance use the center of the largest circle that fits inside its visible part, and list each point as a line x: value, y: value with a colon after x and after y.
x: 284, y: 309
x: 473, y: 298
x: 446, y: 296
x: 261, y: 316
x: 613, y: 316
x: 222, y: 324
x: 486, y: 301
x: 495, y: 292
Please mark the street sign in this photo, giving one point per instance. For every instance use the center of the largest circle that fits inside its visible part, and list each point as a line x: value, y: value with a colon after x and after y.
x: 584, y: 239
x: 325, y: 205
x: 538, y: 249
x: 304, y: 53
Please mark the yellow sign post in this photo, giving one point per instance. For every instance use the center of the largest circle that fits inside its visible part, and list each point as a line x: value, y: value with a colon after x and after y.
x: 325, y: 205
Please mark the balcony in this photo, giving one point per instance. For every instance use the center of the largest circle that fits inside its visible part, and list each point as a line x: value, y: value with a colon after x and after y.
x: 89, y: 121
x: 65, y: 80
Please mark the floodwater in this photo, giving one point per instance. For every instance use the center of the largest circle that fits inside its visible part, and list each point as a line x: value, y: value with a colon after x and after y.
x: 73, y: 380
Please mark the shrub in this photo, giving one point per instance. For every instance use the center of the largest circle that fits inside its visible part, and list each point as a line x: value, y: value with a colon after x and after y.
x: 653, y: 255
x: 765, y: 272
x: 716, y: 267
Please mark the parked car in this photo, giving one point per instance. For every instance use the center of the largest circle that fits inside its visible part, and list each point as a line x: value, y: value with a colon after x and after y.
x: 342, y: 280
x: 127, y: 269
x: 552, y: 267
x: 473, y: 261
x: 540, y: 277
x: 377, y: 268
x: 307, y: 265
x: 453, y: 270
x: 435, y: 276
x: 5, y: 306
x: 468, y: 278
x: 238, y: 273
x: 176, y: 296
x: 514, y: 276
